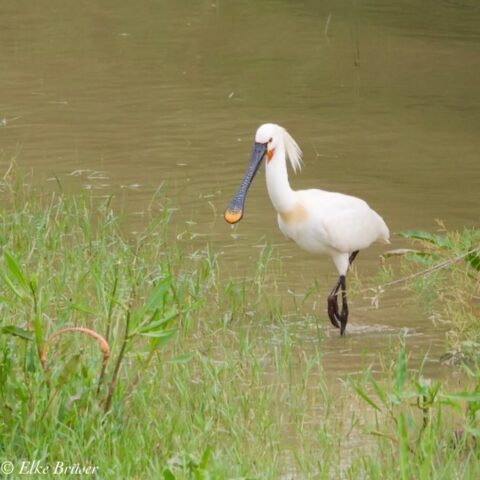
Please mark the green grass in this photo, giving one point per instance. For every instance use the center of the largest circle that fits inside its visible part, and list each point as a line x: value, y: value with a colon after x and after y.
x: 424, y: 431
x: 450, y: 294
x: 190, y: 389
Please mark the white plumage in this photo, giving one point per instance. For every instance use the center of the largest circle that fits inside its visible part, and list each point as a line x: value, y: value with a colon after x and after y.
x: 336, y: 224
x: 317, y: 220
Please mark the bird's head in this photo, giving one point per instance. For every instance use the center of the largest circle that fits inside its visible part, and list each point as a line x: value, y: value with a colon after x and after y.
x: 268, y: 138
x: 269, y: 135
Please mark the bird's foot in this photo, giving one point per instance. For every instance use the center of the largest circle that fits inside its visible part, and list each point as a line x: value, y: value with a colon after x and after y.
x: 333, y: 314
x: 338, y: 319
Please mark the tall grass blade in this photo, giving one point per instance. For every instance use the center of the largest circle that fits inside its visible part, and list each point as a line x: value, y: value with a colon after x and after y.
x: 16, y: 271
x: 17, y: 332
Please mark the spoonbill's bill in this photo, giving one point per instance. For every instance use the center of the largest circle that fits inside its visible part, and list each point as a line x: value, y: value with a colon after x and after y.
x: 318, y: 221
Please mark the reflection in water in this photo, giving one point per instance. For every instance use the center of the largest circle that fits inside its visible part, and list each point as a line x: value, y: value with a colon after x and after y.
x: 124, y: 96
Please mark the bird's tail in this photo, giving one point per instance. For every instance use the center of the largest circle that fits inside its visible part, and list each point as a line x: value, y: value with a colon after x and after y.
x: 384, y: 235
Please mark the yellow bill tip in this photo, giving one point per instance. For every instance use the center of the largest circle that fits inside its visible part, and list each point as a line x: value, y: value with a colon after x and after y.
x: 233, y: 216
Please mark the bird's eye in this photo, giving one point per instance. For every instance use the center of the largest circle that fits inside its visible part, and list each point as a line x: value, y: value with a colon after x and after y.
x: 271, y: 140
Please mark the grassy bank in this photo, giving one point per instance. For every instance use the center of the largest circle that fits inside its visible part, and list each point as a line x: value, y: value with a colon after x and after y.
x: 137, y: 355
x: 445, y: 271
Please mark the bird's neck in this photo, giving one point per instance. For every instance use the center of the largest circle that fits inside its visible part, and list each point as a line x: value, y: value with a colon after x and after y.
x: 282, y: 196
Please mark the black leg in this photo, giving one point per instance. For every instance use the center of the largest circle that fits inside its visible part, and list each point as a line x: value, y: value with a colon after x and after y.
x: 344, y: 314
x: 333, y: 306
x: 352, y: 257
x: 340, y: 319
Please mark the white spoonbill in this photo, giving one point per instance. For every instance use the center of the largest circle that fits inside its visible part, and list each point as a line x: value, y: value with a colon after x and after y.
x: 318, y: 221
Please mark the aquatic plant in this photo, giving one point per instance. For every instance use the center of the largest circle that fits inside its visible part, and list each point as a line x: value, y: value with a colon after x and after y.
x: 449, y: 284
x: 422, y: 430
x: 138, y: 354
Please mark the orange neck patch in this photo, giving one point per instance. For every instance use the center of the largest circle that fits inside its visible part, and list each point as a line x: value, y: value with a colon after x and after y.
x: 270, y: 154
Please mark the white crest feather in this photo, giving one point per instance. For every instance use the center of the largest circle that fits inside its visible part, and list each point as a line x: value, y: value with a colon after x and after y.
x: 293, y: 151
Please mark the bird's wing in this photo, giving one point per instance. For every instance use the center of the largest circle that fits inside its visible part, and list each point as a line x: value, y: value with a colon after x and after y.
x: 353, y: 227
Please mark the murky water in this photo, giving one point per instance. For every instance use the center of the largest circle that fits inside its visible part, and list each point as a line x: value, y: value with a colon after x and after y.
x: 383, y: 98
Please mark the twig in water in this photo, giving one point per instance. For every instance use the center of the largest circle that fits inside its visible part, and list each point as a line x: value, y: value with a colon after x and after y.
x: 438, y: 266
x: 327, y: 24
